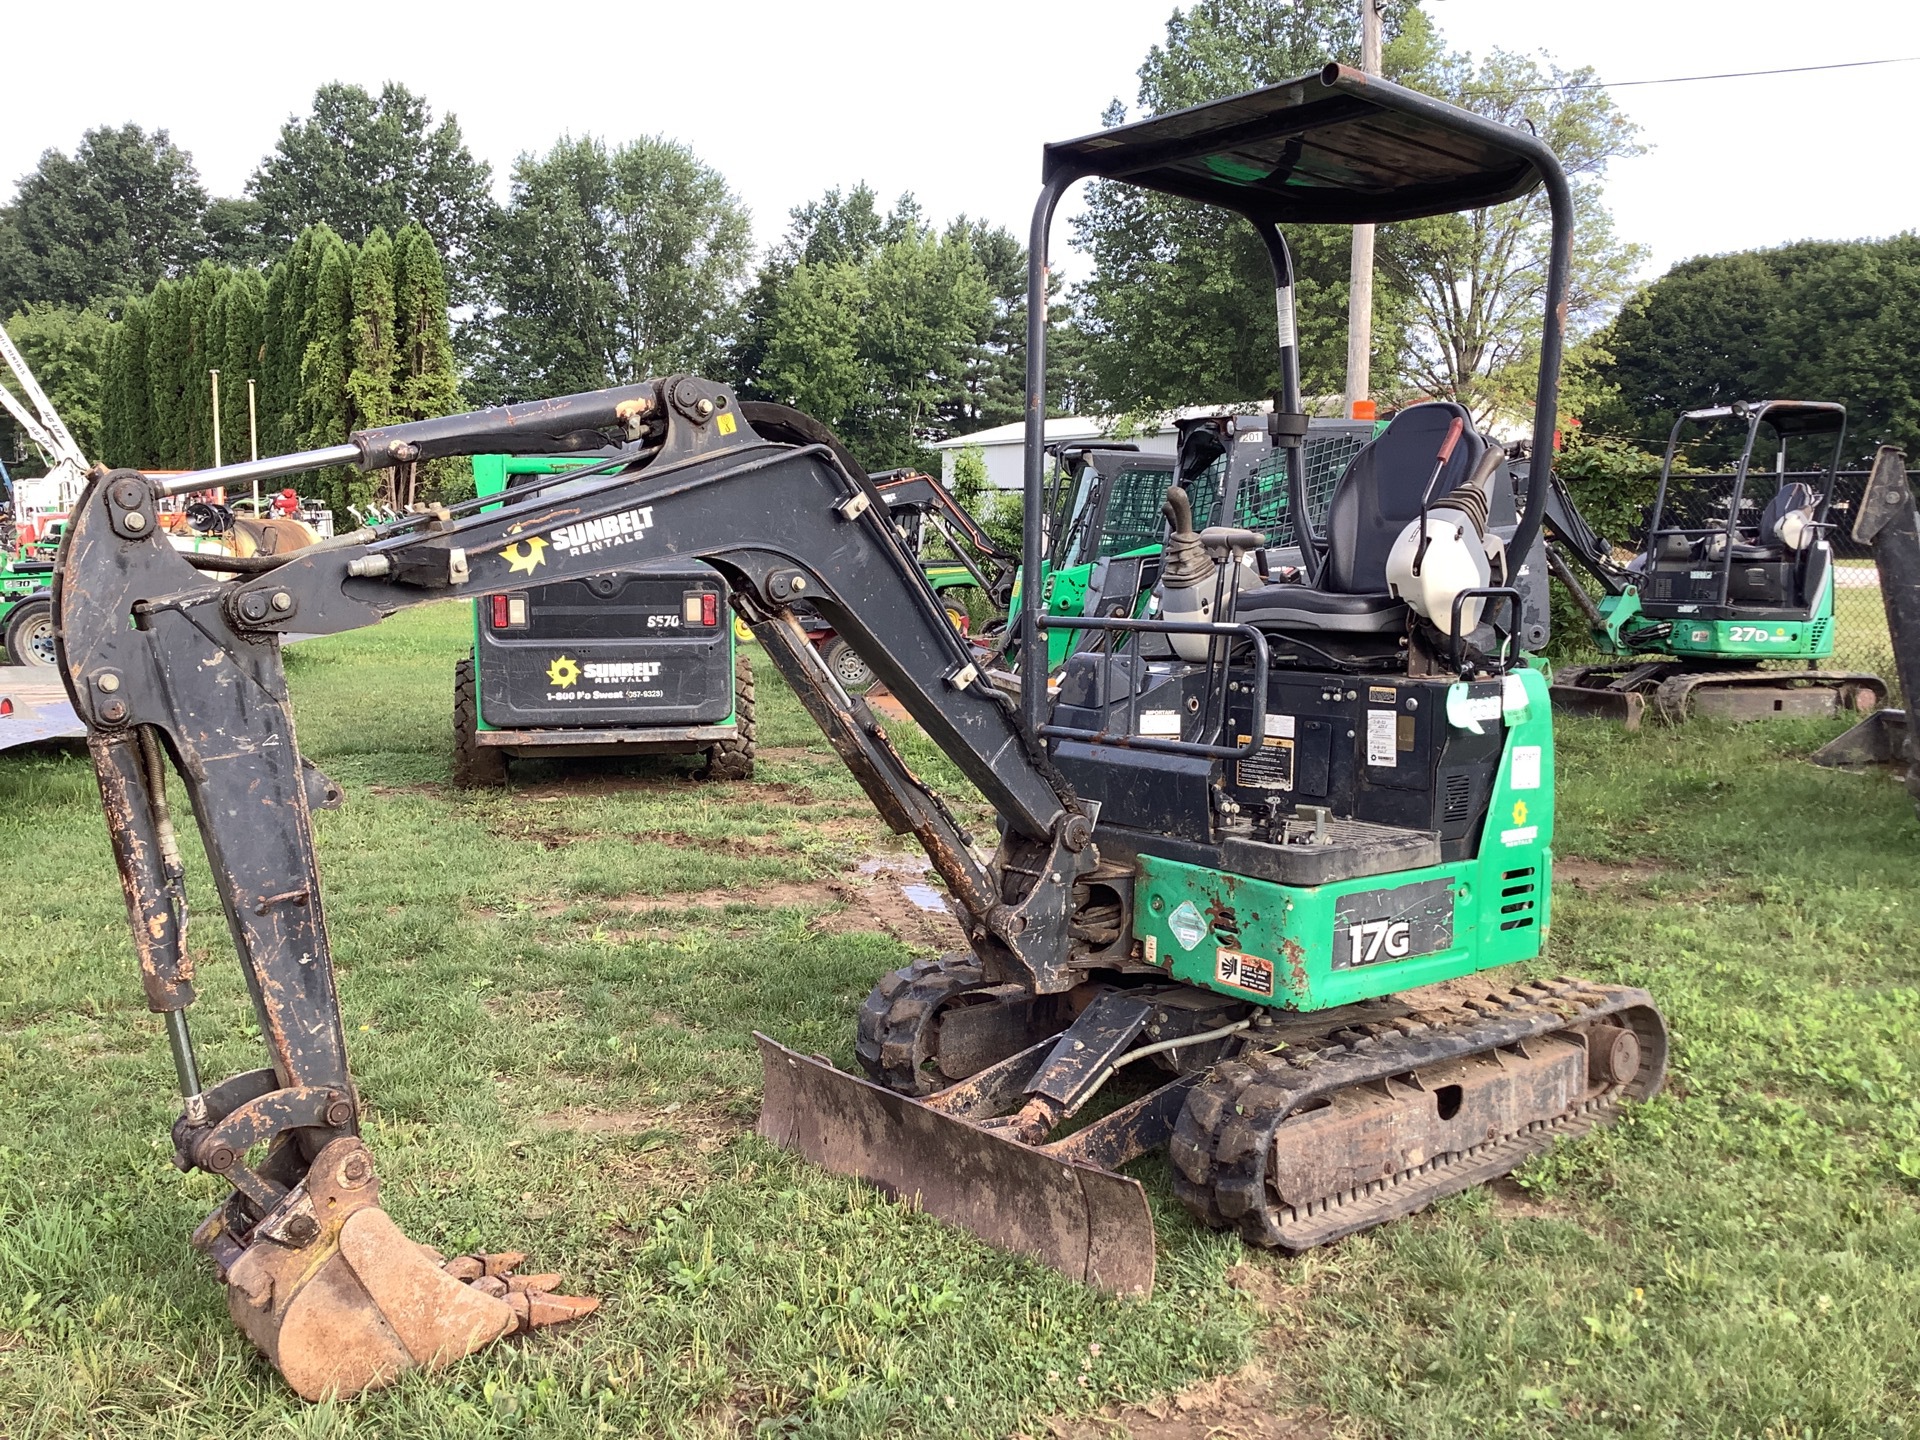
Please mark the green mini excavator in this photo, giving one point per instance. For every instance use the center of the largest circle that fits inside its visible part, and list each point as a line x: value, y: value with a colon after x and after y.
x: 1252, y: 856
x: 1726, y: 607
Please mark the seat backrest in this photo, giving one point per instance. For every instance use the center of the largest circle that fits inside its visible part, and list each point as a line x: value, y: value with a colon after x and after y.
x: 1382, y: 489
x: 1794, y: 495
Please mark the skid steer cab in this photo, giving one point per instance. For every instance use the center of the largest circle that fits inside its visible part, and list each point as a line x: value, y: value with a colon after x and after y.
x: 639, y: 660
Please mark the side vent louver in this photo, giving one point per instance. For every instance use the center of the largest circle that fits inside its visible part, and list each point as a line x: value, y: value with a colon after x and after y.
x: 1458, y: 797
x: 1517, y: 894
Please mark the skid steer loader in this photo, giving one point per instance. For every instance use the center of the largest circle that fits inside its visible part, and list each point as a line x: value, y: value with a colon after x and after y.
x: 1248, y: 863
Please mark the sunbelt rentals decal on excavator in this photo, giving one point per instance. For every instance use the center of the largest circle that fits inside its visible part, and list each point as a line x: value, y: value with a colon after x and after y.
x: 584, y: 537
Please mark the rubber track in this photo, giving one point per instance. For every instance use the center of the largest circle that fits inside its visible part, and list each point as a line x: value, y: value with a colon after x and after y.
x: 1223, y: 1141
x: 892, y: 1035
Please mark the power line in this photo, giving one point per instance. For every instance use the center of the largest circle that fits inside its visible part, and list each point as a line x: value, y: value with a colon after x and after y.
x: 1732, y: 74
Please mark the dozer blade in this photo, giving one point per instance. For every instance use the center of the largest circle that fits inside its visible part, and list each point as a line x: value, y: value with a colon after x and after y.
x: 1088, y: 1223
x: 1608, y: 704
x: 359, y: 1304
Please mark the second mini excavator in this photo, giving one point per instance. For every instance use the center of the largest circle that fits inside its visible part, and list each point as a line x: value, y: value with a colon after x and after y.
x: 1250, y: 860
x: 1726, y: 609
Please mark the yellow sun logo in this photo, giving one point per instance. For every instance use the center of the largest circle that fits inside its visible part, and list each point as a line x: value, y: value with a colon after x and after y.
x: 525, y: 556
x: 1519, y: 812
x: 563, y: 672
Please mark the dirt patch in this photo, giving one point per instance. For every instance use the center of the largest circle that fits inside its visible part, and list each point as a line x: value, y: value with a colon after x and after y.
x: 848, y: 904
x: 705, y: 1127
x: 738, y: 794
x: 534, y: 1005
x: 1246, y: 1405
x: 1596, y: 876
x: 1253, y: 1403
x: 1512, y: 1203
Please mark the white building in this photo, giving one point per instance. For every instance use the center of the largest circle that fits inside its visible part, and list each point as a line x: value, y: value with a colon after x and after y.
x: 1004, y: 446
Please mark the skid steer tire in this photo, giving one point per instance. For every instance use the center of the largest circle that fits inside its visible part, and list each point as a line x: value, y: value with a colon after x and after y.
x: 896, y: 1038
x: 475, y: 766
x: 733, y: 759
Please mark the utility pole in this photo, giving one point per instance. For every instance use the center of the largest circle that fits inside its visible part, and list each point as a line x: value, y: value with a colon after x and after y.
x: 216, y: 417
x: 253, y: 442
x: 1360, y: 277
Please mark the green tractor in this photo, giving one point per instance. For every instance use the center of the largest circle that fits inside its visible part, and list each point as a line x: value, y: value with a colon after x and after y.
x: 1726, y: 607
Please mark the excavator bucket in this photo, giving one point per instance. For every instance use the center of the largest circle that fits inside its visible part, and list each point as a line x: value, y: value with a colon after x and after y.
x: 1044, y: 1202
x: 360, y: 1304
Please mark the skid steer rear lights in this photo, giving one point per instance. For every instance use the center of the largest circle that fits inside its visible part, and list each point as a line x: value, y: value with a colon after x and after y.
x: 509, y: 612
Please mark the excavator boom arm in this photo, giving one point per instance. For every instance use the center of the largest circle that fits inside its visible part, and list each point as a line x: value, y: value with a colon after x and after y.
x: 171, y: 670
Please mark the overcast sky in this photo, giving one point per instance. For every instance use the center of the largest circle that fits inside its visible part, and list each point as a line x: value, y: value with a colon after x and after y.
x: 953, y: 100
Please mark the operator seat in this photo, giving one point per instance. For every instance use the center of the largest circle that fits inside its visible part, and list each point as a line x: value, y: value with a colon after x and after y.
x: 1374, y: 500
x: 1771, y: 544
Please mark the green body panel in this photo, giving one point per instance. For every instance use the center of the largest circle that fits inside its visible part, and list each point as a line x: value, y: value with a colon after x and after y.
x: 948, y: 577
x: 1698, y: 639
x: 1301, y: 952
x: 16, y: 585
x: 490, y: 476
x: 1064, y: 592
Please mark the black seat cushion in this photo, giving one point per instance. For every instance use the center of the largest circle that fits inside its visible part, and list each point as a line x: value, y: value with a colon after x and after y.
x: 1302, y: 607
x: 1382, y: 489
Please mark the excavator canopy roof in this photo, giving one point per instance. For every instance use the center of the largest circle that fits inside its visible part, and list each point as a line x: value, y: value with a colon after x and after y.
x: 1340, y: 147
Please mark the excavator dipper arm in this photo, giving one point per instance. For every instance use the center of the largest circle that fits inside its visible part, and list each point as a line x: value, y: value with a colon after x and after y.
x: 171, y: 670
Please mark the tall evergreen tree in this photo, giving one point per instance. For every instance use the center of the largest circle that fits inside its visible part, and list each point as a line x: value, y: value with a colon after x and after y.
x: 371, y: 381
x: 426, y: 379
x: 126, y: 406
x: 240, y: 336
x: 168, y: 338
x: 324, y: 406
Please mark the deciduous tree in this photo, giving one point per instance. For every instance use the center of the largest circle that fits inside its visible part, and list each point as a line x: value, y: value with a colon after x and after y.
x: 121, y: 213
x: 1828, y: 320
x: 613, y: 264
x: 1475, y: 283
x: 1179, y: 309
x: 360, y: 162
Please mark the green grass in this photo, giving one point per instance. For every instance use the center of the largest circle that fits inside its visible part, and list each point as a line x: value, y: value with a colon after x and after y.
x: 554, y: 1066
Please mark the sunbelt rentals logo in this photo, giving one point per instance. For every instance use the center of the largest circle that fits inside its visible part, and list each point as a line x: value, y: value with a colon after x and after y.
x: 585, y: 537
x: 588, y: 536
x: 566, y: 672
